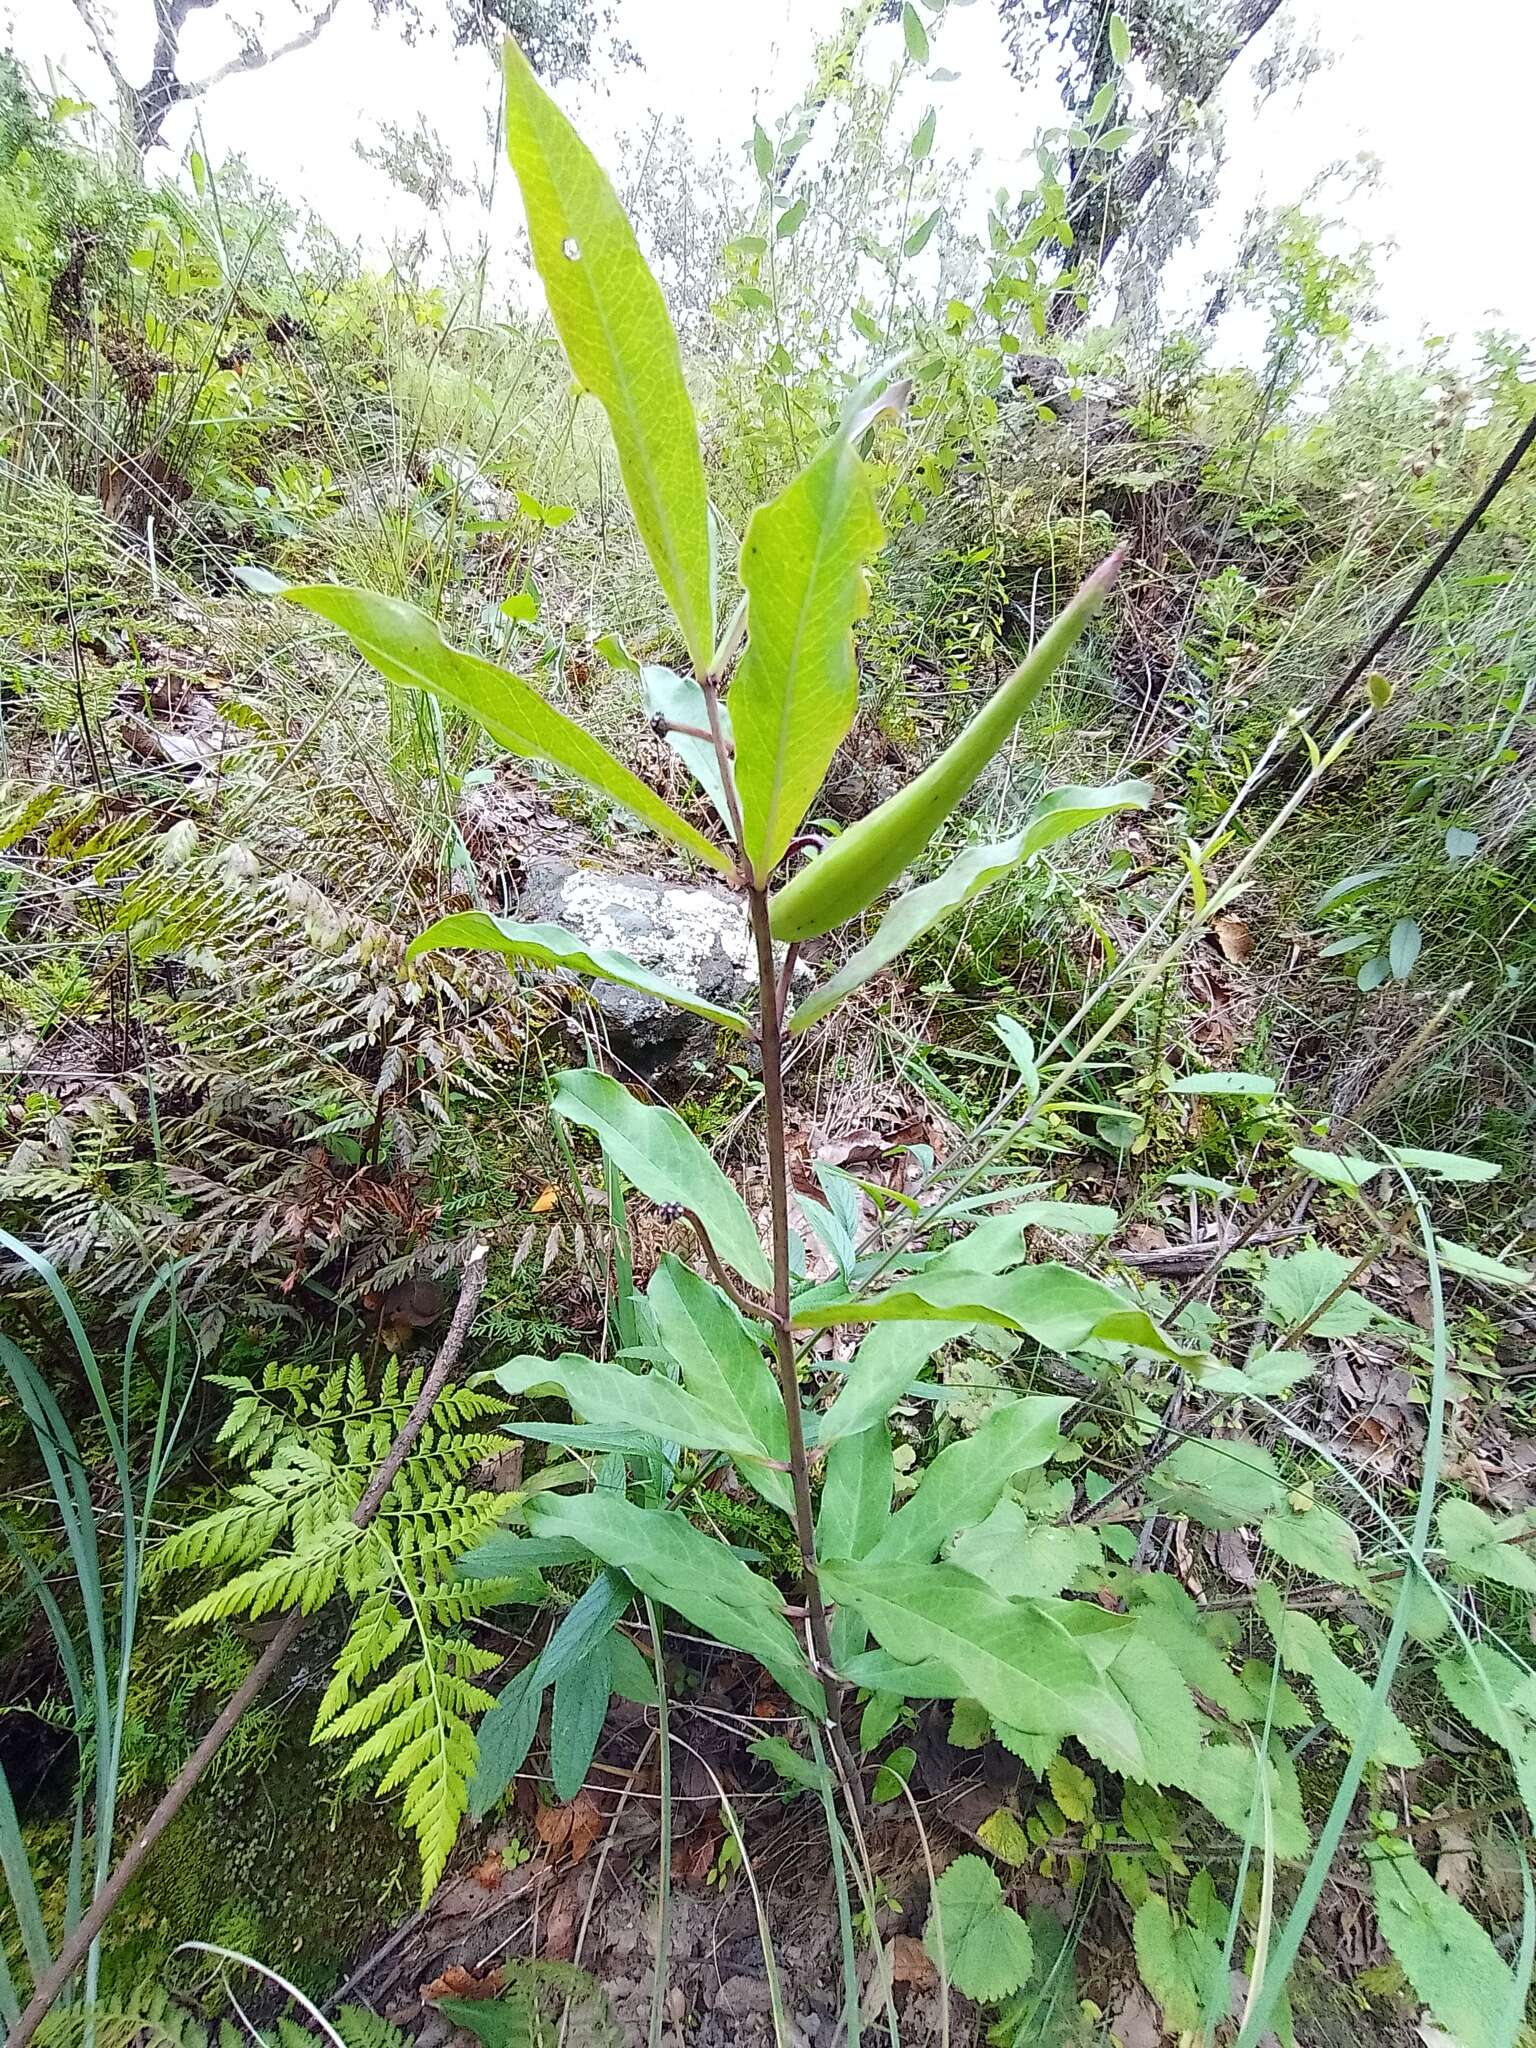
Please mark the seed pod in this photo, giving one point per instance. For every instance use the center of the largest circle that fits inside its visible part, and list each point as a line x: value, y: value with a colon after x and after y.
x: 869, y: 856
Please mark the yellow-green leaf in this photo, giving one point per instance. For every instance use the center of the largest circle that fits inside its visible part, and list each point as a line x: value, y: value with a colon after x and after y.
x: 612, y: 318
x: 803, y: 569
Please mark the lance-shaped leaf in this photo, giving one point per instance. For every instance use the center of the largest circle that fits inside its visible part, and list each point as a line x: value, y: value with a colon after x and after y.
x: 968, y: 1478
x: 655, y: 1149
x: 610, y: 314
x: 407, y: 648
x: 724, y: 1369
x: 551, y: 945
x: 885, y: 1364
x: 1012, y: 1655
x: 859, y: 866
x: 696, y: 1574
x: 611, y: 1396
x: 852, y: 1515
x: 910, y: 916
x: 1057, y: 1306
x: 1446, y: 1955
x: 679, y: 703
x: 803, y: 569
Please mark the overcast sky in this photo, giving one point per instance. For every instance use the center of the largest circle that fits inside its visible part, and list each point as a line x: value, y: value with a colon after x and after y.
x: 1445, y: 113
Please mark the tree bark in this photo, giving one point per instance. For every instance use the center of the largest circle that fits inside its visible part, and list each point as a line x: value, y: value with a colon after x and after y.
x: 1106, y: 198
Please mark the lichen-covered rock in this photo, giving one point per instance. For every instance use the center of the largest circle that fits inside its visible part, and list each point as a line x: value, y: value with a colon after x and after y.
x: 696, y: 936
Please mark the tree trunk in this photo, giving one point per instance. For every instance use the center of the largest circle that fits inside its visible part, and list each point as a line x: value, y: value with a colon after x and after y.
x: 1105, y: 197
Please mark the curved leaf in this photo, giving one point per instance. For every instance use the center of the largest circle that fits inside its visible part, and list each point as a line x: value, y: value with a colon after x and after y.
x: 910, y: 916
x: 655, y: 1149
x: 723, y: 1367
x: 407, y: 648
x: 609, y: 1394
x: 551, y: 945
x: 678, y: 701
x: 869, y: 856
x: 802, y: 567
x: 610, y: 314
x: 1057, y: 1306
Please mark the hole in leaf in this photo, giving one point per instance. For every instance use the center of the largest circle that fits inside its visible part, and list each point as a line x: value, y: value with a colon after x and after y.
x: 570, y: 248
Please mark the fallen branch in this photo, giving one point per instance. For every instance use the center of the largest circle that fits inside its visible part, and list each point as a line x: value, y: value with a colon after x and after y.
x: 73, y: 1953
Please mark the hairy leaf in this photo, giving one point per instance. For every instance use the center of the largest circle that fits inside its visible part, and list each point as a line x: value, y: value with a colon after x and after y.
x: 1219, y: 1483
x: 968, y: 1478
x: 1478, y: 1547
x: 724, y: 1369
x: 608, y: 1394
x: 852, y: 1515
x: 1446, y: 1956
x: 576, y: 1716
x: 610, y: 314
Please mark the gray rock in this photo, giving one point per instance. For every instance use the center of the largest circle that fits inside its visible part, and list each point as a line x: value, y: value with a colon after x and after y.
x: 694, y: 935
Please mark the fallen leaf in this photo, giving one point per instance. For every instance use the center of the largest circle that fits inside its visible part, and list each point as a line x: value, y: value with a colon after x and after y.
x: 586, y: 1824
x: 489, y: 1872
x: 559, y: 1936
x: 911, y: 1963
x: 548, y: 1198
x: 1234, y: 939
x: 553, y: 1827
x: 457, y: 1982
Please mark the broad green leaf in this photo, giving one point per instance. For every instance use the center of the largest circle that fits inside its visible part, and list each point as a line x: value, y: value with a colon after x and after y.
x: 1221, y: 1484
x: 1120, y: 51
x: 1071, y: 1789
x: 917, y: 912
x: 922, y: 141
x: 1113, y: 138
x: 504, y: 1738
x: 913, y: 33
x: 609, y: 1395
x: 1249, y: 1087
x: 1294, y: 1289
x: 1498, y: 1697
x: 1014, y: 1656
x: 407, y: 648
x: 1057, y: 1306
x: 1003, y: 1837
x: 892, y: 1776
x: 1319, y: 1542
x: 922, y: 234
x: 1021, y: 1050
x: 678, y: 701
x: 1446, y: 1956
x: 576, y: 1716
x: 852, y: 1515
x: 1460, y: 844
x: 724, y: 1369
x: 968, y: 1478
x: 1142, y: 1680
x: 1351, y: 885
x: 631, y: 1675
x: 868, y: 857
x: 1337, y: 1169
x: 1068, y: 1219
x: 551, y: 945
x: 1403, y: 947
x: 1266, y: 1373
x: 696, y: 1574
x: 1478, y: 1547
x: 1446, y: 1165
x: 654, y: 1148
x: 886, y: 1363
x: 1022, y: 1558
x: 762, y: 152
x: 782, y: 1756
x: 1226, y: 1784
x: 610, y: 314
x: 1476, y: 1265
x: 978, y: 1942
x: 1342, y: 1694
x: 803, y: 568
x: 1194, y: 1655
x: 1182, y: 1965
x: 791, y: 219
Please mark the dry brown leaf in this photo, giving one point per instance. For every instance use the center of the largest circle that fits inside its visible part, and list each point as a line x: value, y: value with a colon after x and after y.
x: 911, y: 1963
x: 548, y: 1198
x: 1234, y: 939
x: 457, y: 1982
x: 489, y: 1872
x: 552, y: 1824
x: 559, y: 1935
x: 586, y: 1824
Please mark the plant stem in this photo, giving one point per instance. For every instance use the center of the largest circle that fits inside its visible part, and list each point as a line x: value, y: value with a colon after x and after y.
x: 54, y: 1980
x: 783, y: 1339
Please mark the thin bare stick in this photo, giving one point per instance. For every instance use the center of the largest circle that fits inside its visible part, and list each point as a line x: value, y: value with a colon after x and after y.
x: 73, y: 1952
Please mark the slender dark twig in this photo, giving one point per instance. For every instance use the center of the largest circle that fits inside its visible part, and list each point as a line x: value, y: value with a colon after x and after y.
x: 73, y: 1952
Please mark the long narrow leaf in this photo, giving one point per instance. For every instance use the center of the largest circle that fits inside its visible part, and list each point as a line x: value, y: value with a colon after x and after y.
x: 610, y: 314
x: 551, y: 945
x: 407, y: 648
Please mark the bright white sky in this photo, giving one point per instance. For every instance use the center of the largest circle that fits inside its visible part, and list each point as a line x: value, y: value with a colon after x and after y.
x: 1446, y: 113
